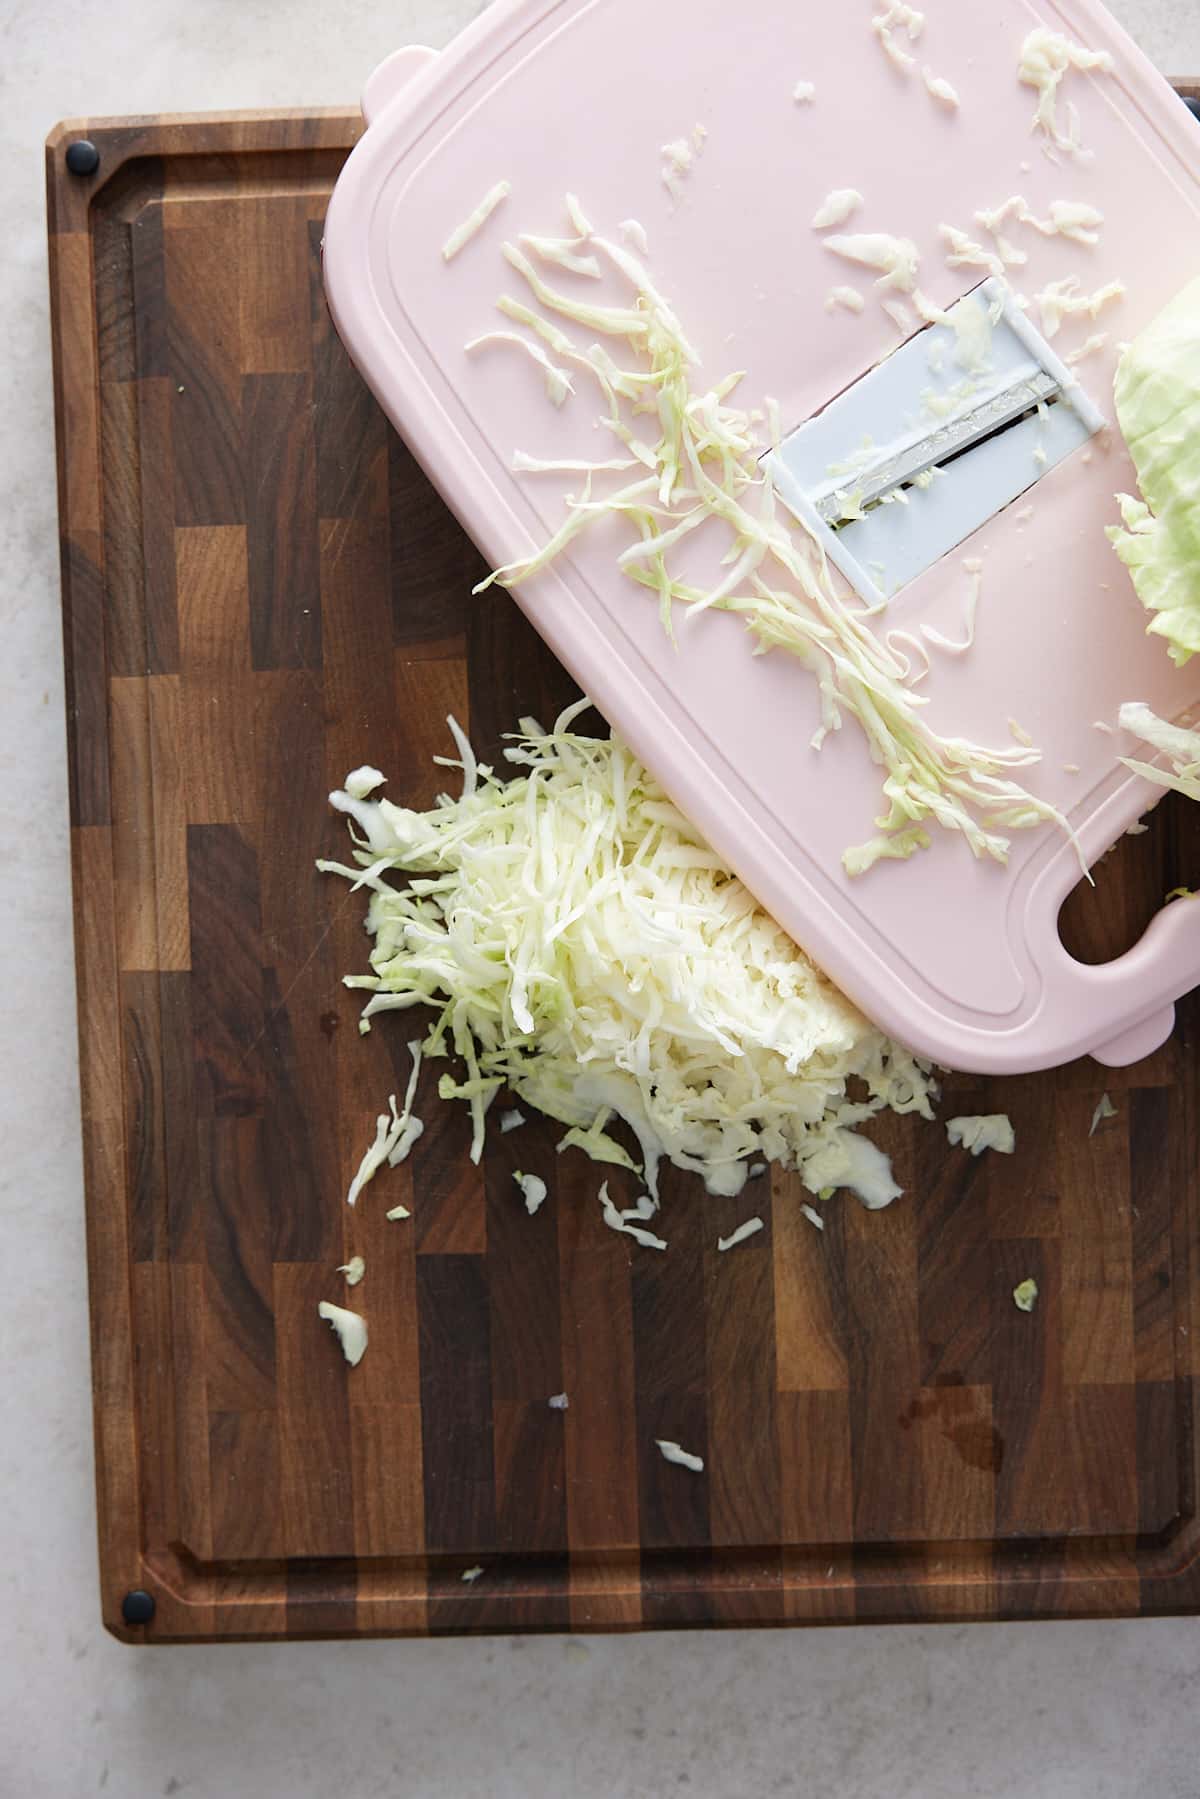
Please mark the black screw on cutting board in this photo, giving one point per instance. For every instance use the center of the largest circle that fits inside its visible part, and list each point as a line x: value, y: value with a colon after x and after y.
x: 138, y: 1607
x: 83, y: 158
x: 1193, y: 107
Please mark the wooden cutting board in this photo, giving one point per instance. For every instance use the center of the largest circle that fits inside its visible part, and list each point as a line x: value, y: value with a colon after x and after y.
x: 260, y: 592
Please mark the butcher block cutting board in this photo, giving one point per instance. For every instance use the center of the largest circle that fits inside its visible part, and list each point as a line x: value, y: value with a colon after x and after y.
x: 260, y: 592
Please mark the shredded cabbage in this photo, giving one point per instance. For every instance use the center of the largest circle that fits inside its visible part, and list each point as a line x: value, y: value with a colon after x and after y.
x: 678, y: 157
x: 635, y: 233
x: 394, y: 1134
x: 1073, y: 219
x: 698, y: 467
x: 559, y: 386
x: 896, y: 258
x: 564, y: 252
x: 1025, y: 1296
x: 671, y: 1452
x: 1046, y: 59
x: 992, y: 1130
x: 1089, y: 347
x: 374, y: 1159
x: 596, y: 1143
x: 743, y: 1232
x: 353, y: 1270
x: 622, y: 1221
x: 474, y: 223
x: 579, y: 219
x: 583, y: 946
x: 1180, y: 746
x: 362, y: 781
x: 533, y: 1191
x: 350, y: 1329
x: 1011, y: 255
x: 962, y: 252
x: 1158, y: 408
x: 973, y: 569
x: 1063, y: 300
x: 904, y: 322
x: 847, y: 1160
x: 837, y: 207
x: 848, y: 297
x: 897, y: 16
x: 1104, y: 1109
x: 941, y: 90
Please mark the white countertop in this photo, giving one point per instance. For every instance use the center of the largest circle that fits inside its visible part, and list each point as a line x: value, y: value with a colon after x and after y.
x: 1087, y: 1710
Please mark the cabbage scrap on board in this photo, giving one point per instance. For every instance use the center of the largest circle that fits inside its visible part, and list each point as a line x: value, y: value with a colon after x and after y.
x: 689, y: 461
x: 1158, y: 408
x: 581, y: 945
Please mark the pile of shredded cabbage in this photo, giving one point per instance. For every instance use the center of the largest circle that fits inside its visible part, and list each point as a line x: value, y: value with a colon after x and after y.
x: 687, y: 461
x: 582, y: 946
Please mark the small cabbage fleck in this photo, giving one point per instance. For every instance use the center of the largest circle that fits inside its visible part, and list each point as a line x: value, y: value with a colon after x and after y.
x: 991, y: 1131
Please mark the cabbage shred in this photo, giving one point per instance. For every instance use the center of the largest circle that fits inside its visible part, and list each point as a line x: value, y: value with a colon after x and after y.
x: 582, y: 946
x: 1179, y: 744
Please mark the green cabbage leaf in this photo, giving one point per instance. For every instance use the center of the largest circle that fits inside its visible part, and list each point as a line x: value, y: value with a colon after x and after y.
x: 1158, y: 408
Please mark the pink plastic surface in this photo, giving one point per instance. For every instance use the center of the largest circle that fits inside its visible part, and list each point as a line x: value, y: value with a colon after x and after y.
x: 960, y: 959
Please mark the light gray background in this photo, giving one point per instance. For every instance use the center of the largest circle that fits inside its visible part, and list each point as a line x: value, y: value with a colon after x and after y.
x: 1056, y: 1710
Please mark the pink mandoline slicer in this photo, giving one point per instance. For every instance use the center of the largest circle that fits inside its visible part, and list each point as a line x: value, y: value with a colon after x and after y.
x: 958, y: 958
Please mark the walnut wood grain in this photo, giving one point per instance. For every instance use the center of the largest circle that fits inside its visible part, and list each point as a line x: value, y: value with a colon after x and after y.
x: 260, y: 591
